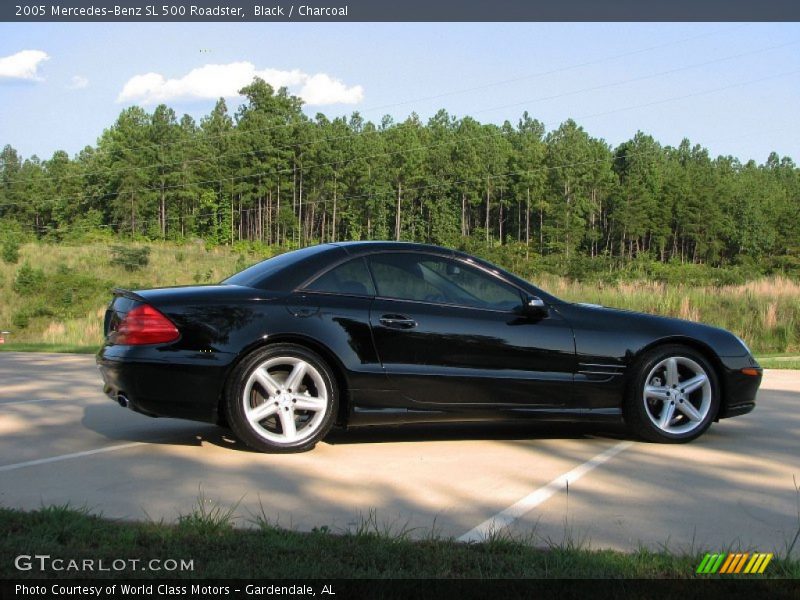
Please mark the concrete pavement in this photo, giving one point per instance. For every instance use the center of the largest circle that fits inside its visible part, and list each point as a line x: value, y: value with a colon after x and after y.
x: 62, y: 440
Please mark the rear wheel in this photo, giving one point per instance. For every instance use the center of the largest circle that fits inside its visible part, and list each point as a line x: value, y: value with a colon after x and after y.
x: 282, y: 398
x: 674, y: 397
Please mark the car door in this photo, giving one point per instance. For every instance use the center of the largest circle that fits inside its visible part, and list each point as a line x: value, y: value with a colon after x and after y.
x: 333, y: 309
x: 448, y: 332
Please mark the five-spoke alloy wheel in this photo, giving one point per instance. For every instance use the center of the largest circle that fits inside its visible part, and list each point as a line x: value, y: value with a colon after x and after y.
x: 282, y: 398
x: 674, y: 396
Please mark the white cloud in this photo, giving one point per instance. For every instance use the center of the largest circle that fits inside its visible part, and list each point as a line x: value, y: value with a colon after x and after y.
x: 213, y: 81
x: 78, y: 82
x: 23, y: 65
x: 323, y: 89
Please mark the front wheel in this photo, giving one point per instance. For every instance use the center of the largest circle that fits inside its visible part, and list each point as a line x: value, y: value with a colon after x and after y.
x: 674, y: 397
x: 281, y: 398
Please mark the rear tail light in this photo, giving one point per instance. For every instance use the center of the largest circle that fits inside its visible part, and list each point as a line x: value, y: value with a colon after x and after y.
x: 144, y: 325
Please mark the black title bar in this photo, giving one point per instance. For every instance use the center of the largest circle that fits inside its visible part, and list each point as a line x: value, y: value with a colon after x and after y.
x: 398, y: 10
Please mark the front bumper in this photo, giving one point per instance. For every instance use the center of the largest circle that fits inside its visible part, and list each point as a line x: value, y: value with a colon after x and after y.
x: 741, y: 380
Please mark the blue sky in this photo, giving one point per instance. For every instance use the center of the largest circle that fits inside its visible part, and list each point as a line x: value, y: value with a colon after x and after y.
x: 734, y: 88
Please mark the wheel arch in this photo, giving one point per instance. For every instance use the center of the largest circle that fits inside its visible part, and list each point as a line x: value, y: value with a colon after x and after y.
x: 695, y: 344
x: 323, y: 351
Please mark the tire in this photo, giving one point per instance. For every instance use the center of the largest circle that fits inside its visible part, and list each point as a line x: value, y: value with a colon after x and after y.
x: 281, y: 398
x: 676, y: 379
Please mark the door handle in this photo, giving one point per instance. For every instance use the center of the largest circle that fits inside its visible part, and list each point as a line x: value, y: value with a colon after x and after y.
x: 398, y: 321
x: 301, y: 310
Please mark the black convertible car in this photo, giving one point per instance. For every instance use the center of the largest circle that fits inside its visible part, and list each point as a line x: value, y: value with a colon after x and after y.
x: 375, y: 333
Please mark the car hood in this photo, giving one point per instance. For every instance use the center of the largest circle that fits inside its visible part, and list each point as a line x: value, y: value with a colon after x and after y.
x: 655, y: 327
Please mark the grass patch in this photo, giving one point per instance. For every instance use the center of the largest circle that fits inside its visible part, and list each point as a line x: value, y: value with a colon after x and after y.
x: 778, y: 361
x: 42, y: 347
x: 208, y: 537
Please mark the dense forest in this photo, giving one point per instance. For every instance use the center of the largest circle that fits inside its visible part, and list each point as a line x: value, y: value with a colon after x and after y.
x: 269, y: 173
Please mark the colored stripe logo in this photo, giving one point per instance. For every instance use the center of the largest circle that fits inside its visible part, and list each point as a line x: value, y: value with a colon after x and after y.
x: 734, y: 563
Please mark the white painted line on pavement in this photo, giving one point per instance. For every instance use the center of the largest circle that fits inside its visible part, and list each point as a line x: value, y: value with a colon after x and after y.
x: 44, y: 461
x: 2, y: 404
x: 515, y: 511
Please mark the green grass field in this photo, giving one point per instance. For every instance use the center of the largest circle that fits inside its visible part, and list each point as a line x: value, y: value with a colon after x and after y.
x: 55, y: 296
x: 218, y: 550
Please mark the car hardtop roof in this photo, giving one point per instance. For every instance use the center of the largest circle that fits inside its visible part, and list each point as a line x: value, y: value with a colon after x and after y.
x: 367, y: 246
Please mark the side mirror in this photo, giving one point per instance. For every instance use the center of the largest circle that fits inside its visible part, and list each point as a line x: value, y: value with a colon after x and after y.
x: 534, y: 307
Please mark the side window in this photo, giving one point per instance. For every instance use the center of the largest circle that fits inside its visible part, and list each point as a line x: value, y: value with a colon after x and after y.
x: 428, y: 278
x: 351, y: 277
x: 399, y: 276
x: 472, y: 286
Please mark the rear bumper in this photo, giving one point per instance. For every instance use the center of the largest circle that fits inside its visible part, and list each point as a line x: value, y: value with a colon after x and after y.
x: 189, y: 386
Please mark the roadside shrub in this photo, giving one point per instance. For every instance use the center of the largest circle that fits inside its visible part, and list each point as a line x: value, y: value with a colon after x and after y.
x: 130, y: 258
x: 11, y: 239
x: 10, y: 250
x: 70, y: 293
x: 63, y: 294
x: 28, y: 281
x: 21, y: 319
x: 42, y: 311
x: 203, y: 277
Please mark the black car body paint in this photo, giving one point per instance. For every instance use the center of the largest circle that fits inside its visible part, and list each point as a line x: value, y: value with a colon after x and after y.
x: 400, y: 360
